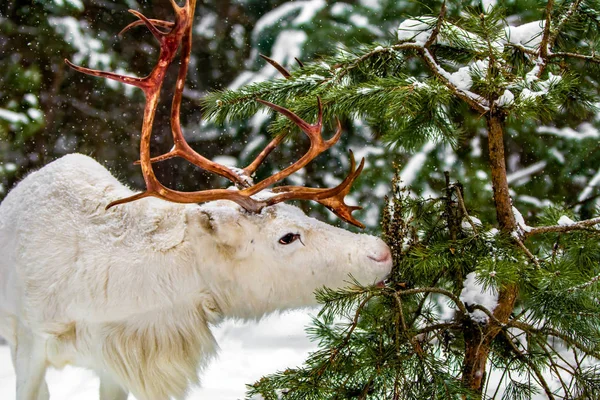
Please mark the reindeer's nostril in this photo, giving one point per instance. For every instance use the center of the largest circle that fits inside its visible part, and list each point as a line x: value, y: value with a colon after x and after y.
x: 384, y: 257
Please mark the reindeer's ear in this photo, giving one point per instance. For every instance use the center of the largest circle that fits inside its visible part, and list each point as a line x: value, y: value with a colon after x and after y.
x: 200, y: 221
x: 224, y: 224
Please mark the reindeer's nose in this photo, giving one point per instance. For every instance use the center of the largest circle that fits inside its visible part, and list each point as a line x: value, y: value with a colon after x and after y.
x: 382, y: 254
x: 381, y: 258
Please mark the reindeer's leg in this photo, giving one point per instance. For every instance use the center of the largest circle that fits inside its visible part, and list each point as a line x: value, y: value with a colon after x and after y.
x: 13, y: 356
x: 43, y: 393
x: 30, y: 366
x: 110, y: 390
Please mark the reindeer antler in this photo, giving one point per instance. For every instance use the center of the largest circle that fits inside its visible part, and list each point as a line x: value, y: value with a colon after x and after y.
x: 179, y: 34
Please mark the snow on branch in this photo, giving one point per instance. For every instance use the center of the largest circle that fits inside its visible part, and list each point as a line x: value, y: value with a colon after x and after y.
x: 474, y: 293
x: 421, y: 35
x: 537, y: 38
x: 587, y: 284
x: 565, y: 227
x: 474, y: 100
x: 526, y: 37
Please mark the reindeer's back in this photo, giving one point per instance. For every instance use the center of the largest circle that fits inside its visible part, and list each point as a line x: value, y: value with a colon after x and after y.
x: 47, y: 207
x: 70, y: 254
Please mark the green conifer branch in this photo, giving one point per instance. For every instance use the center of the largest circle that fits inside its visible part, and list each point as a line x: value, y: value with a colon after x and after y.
x: 532, y: 330
x: 562, y: 21
x: 587, y: 284
x: 398, y: 329
x: 525, y: 358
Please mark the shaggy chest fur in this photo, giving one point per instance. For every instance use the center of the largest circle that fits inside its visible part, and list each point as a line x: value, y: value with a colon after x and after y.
x: 157, y: 355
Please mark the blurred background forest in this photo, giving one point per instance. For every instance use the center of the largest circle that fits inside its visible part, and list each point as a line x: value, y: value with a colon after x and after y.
x: 48, y: 110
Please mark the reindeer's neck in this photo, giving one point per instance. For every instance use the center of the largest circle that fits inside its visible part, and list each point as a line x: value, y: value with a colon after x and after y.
x: 145, y: 258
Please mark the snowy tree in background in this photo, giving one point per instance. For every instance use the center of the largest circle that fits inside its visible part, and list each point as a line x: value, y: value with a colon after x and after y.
x: 494, y: 309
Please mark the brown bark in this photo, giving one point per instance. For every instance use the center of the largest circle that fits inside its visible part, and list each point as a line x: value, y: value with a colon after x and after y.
x: 478, y: 338
x: 504, y: 213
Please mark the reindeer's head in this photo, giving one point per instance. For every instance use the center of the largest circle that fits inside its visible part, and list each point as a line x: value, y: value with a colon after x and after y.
x: 276, y: 255
x: 276, y: 259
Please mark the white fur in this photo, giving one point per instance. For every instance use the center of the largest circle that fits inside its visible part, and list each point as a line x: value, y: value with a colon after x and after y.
x: 130, y: 292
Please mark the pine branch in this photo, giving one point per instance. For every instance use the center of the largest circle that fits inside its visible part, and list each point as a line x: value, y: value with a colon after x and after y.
x: 401, y: 312
x: 476, y: 102
x: 553, y: 332
x: 526, y: 250
x: 587, y: 284
x: 487, y: 312
x: 531, y: 365
x: 577, y: 226
x: 566, y: 16
x: 438, y: 26
x: 554, y: 366
x: 544, y: 54
x: 590, y: 58
x: 552, y: 55
x: 340, y: 302
x: 544, y: 50
x: 463, y: 208
x: 353, y: 64
x: 353, y: 326
x: 523, y: 49
x: 461, y: 306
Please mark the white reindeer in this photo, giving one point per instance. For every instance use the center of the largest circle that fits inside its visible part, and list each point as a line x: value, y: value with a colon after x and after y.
x: 130, y: 291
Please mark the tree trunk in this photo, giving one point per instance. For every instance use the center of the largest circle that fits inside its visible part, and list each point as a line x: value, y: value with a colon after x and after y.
x: 504, y: 213
x: 478, y: 339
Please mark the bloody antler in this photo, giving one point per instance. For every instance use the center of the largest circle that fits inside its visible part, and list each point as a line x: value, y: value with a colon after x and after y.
x: 179, y: 34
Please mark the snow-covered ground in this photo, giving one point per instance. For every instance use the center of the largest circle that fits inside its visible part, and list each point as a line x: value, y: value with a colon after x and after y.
x: 249, y: 350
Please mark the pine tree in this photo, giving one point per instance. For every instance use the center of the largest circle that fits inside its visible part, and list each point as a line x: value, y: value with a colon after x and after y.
x: 497, y: 309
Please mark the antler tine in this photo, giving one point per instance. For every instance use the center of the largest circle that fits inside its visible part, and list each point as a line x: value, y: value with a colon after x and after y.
x: 128, y: 80
x: 182, y: 149
x: 159, y: 35
x: 157, y: 22
x: 338, y: 133
x: 176, y: 6
x: 181, y: 32
x: 251, y: 169
x: 336, y: 203
x: 310, y: 130
x: 180, y: 146
x: 317, y: 146
x: 332, y: 198
x: 286, y: 74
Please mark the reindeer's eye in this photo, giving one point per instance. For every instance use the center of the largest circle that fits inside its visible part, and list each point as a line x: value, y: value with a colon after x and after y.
x: 289, y: 238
